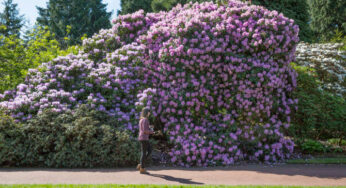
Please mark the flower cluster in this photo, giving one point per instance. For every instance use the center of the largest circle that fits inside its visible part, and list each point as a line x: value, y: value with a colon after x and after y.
x: 101, y: 43
x: 217, y: 77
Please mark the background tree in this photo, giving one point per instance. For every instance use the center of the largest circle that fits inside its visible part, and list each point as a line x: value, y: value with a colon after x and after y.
x: 162, y: 5
x: 18, y: 55
x: 165, y: 5
x: 130, y: 6
x: 74, y: 18
x: 11, y: 19
x: 327, y: 16
x: 294, y: 9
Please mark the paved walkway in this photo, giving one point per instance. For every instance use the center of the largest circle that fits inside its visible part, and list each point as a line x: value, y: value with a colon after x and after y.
x: 306, y: 175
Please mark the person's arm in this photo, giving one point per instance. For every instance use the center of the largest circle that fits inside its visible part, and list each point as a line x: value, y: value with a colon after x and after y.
x: 146, y: 125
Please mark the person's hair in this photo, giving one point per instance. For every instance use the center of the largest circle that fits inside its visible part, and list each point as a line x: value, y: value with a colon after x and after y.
x: 145, y: 113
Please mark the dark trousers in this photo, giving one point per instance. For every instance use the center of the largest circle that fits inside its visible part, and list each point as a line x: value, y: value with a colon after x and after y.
x: 146, y: 151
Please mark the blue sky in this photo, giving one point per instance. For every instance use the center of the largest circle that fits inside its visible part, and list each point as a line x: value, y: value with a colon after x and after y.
x: 28, y: 8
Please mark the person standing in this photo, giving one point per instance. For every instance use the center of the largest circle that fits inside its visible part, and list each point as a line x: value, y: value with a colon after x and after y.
x: 143, y: 137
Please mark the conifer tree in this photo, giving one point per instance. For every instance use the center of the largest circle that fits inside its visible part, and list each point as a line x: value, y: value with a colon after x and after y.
x: 327, y: 16
x: 10, y: 19
x: 74, y: 18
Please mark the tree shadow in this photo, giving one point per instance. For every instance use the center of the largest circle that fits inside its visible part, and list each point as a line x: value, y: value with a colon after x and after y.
x: 171, y: 178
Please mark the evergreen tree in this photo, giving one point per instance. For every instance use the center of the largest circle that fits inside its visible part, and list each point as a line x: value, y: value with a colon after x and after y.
x: 131, y: 6
x: 74, y: 18
x: 327, y: 16
x: 11, y: 19
x: 294, y: 9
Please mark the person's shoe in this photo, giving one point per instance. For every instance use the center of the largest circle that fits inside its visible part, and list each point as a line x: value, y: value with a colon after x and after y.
x: 138, y: 166
x: 143, y: 171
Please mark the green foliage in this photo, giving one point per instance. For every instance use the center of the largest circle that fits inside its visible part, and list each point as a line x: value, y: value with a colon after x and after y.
x: 339, y: 37
x: 165, y: 5
x: 320, y: 115
x: 312, y: 146
x: 42, y: 47
x: 334, y: 141
x: 82, y: 138
x: 18, y: 55
x: 74, y: 18
x: 130, y: 6
x: 294, y: 9
x: 11, y: 19
x: 10, y: 140
x: 327, y: 16
x: 162, y: 5
x: 12, y: 66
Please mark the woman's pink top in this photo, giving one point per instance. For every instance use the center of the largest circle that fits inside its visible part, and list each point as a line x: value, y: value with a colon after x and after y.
x: 143, y: 126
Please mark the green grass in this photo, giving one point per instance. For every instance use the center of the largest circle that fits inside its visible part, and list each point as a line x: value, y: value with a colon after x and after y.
x: 142, y: 186
x: 332, y: 160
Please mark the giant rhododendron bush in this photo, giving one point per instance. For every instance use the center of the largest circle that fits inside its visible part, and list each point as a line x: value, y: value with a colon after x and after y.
x: 216, y: 77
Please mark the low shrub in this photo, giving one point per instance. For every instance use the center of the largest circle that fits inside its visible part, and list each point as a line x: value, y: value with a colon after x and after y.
x: 70, y: 139
x: 312, y: 146
x: 309, y: 146
x: 10, y: 140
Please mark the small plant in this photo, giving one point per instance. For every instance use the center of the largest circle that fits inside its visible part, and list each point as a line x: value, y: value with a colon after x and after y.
x: 312, y: 146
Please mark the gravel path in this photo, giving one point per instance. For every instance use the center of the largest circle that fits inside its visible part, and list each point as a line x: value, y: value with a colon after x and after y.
x: 305, y: 175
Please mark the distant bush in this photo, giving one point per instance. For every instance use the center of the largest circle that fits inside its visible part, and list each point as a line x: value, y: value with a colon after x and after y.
x: 312, y: 146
